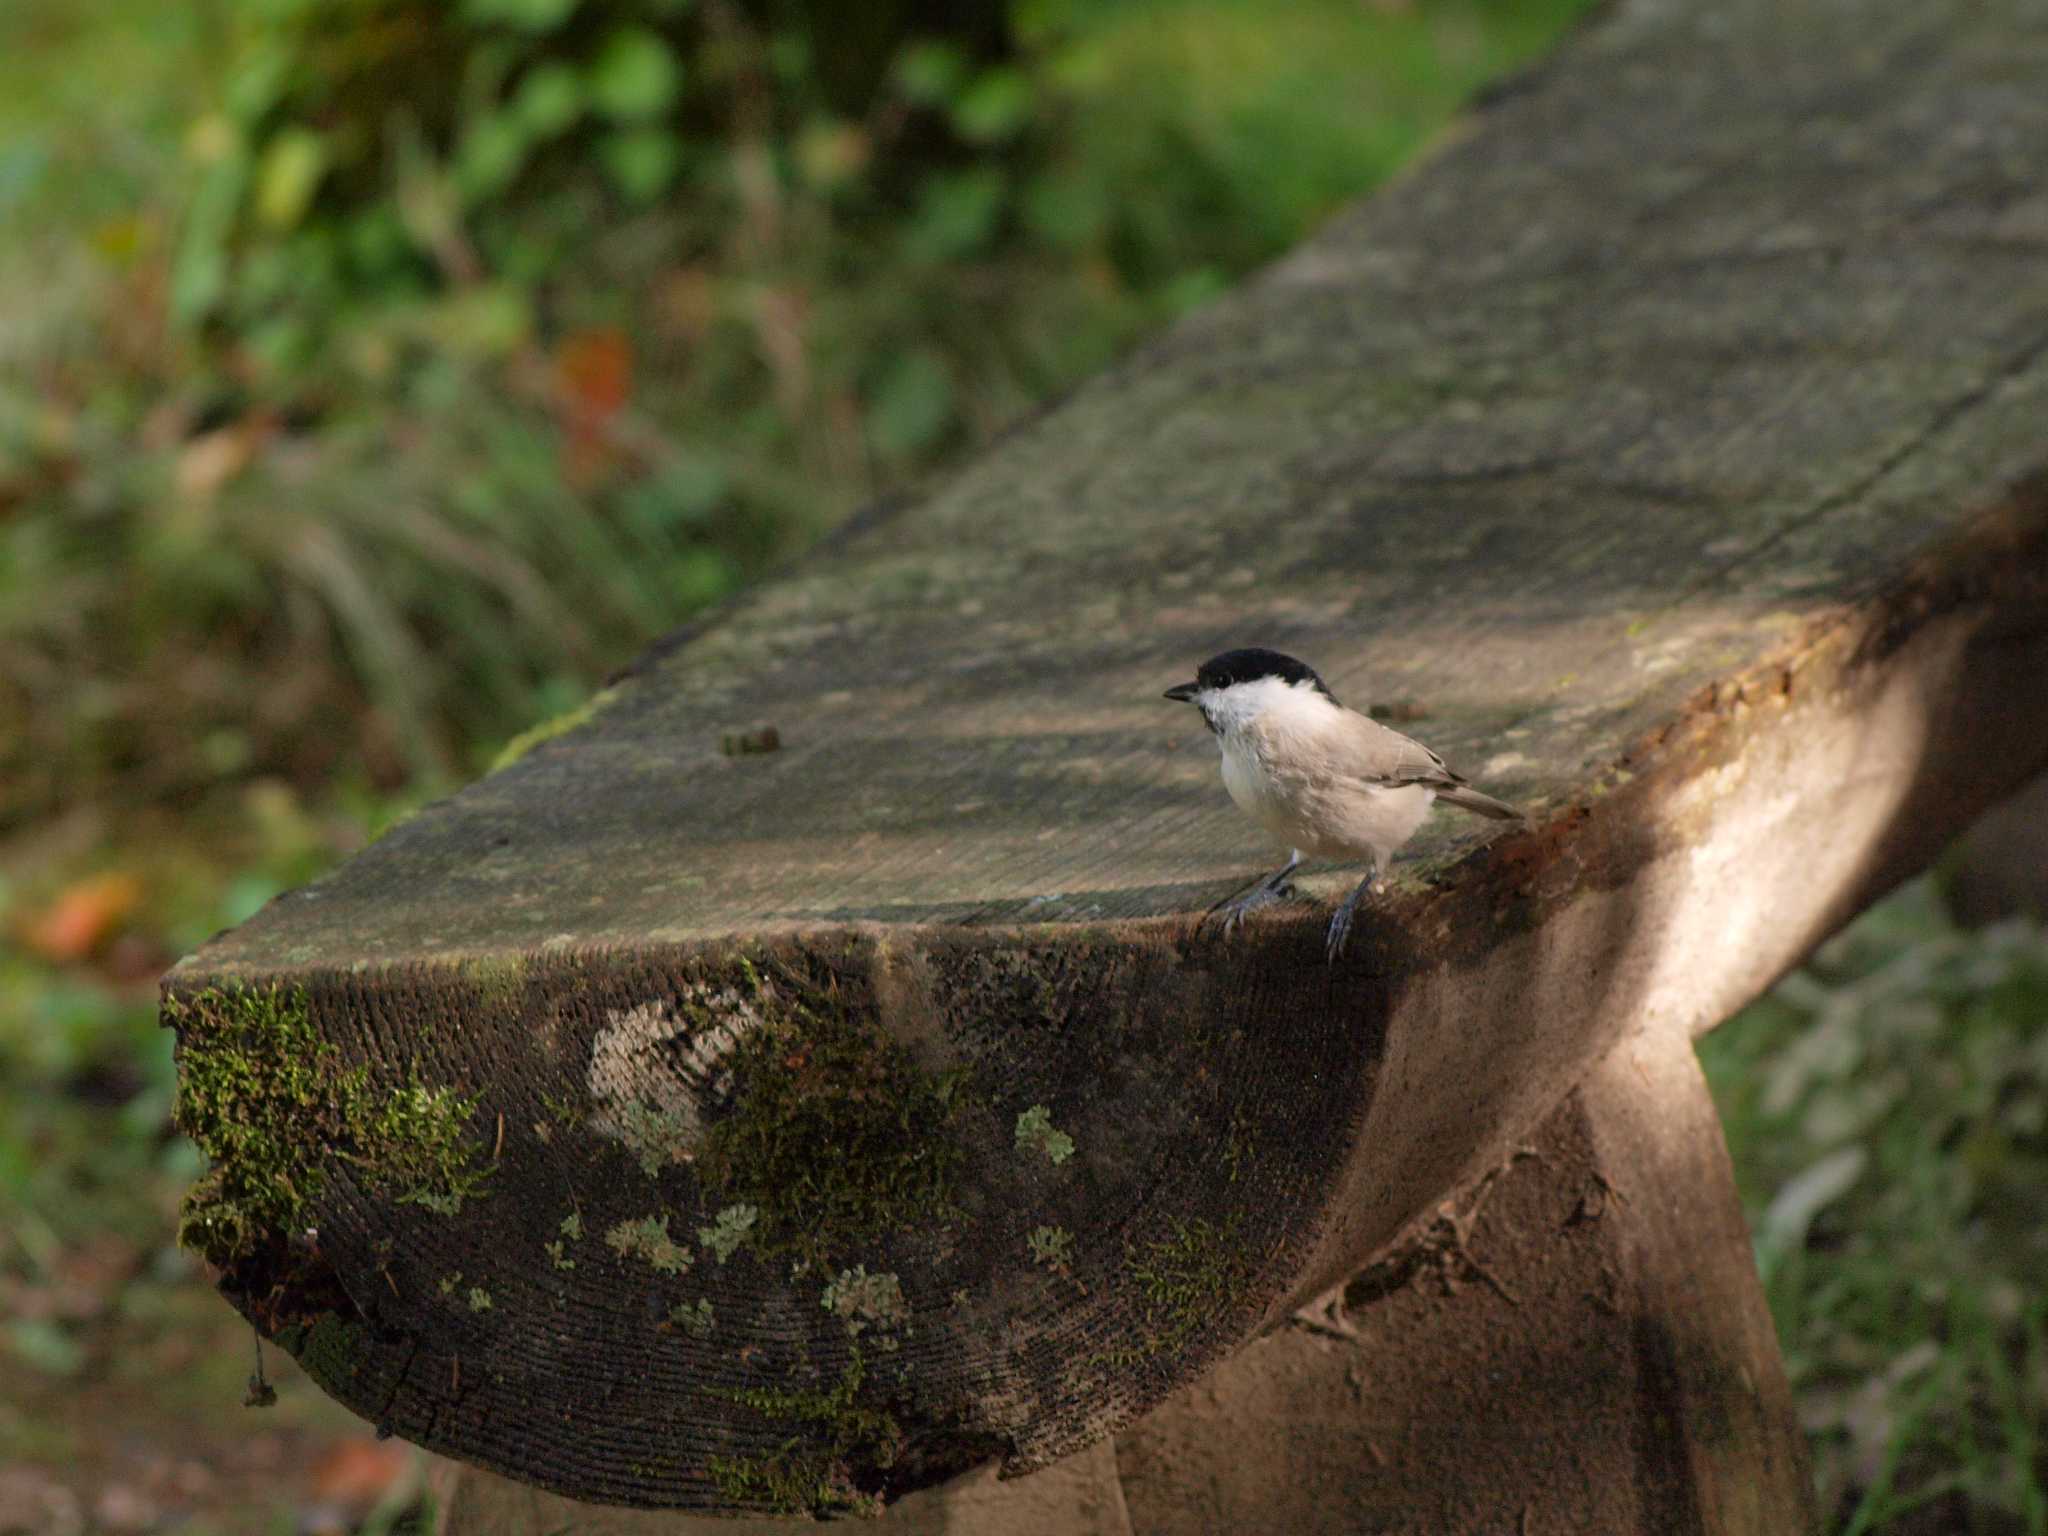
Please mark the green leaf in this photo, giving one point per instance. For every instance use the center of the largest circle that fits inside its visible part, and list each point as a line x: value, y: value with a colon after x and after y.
x: 483, y: 320
x: 199, y: 275
x: 1067, y: 211
x: 789, y: 58
x: 531, y: 15
x: 930, y: 73
x: 684, y: 493
x: 994, y: 107
x: 634, y: 76
x: 246, y: 895
x: 45, y: 1347
x: 376, y: 241
x: 1191, y: 290
x: 22, y: 168
x: 641, y: 162
x: 703, y: 576
x: 549, y: 99
x: 956, y: 214
x: 258, y: 81
x: 1038, y: 23
x: 490, y: 157
x: 912, y: 406
x: 293, y: 163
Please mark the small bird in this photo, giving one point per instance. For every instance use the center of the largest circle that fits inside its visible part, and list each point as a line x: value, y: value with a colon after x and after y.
x: 1325, y: 780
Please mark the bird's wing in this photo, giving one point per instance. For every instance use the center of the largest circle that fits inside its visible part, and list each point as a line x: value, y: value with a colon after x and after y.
x: 1376, y: 754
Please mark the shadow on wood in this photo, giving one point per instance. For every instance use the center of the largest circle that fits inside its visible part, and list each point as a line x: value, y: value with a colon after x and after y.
x: 1578, y: 1345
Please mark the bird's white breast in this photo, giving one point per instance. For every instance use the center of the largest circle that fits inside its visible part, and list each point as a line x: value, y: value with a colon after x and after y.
x: 1251, y: 719
x: 1249, y: 784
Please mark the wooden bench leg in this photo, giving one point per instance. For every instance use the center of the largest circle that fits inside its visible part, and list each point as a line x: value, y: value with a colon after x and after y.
x: 1578, y: 1345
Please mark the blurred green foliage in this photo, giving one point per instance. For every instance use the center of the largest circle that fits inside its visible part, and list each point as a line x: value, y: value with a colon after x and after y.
x: 374, y: 374
x: 1887, y: 1108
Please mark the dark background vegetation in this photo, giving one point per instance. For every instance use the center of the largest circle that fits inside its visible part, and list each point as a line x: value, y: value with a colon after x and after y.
x: 377, y: 374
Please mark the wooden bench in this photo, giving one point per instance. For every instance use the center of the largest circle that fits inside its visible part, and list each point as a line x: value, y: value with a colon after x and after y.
x: 662, y: 1122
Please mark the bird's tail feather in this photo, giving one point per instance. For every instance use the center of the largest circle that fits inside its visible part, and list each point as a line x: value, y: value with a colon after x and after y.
x: 1467, y: 798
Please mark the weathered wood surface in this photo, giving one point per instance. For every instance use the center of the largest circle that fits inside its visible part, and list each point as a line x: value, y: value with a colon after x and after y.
x: 1078, y: 1496
x: 1673, y: 438
x: 1578, y: 1345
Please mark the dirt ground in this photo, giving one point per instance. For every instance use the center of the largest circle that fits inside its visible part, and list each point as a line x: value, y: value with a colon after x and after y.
x: 150, y: 1433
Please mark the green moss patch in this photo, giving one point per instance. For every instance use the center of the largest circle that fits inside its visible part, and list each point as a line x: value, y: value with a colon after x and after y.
x: 548, y: 730
x: 694, y: 1318
x: 816, y: 1470
x: 654, y: 1135
x: 725, y: 1234
x: 837, y: 1134
x: 861, y: 1300
x: 1182, y: 1282
x: 272, y: 1106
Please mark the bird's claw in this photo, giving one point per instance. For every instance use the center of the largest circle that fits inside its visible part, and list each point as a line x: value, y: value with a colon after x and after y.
x: 1340, y: 920
x: 1231, y: 913
x: 1340, y: 930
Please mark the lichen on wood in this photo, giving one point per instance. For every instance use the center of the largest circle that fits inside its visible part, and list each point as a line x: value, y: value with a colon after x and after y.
x: 647, y: 1239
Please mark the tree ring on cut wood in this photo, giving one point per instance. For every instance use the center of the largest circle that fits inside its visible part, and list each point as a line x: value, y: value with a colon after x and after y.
x: 761, y: 1232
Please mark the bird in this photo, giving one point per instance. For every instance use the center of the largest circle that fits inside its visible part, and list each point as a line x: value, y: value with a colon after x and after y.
x: 1326, y: 781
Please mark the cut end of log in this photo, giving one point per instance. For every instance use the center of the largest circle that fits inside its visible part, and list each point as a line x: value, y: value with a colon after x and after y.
x: 784, y: 1228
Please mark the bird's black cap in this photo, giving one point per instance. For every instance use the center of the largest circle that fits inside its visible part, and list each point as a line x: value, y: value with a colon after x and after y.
x: 1248, y: 666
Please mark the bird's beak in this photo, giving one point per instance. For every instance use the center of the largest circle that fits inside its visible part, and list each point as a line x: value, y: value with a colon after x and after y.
x: 1182, y: 693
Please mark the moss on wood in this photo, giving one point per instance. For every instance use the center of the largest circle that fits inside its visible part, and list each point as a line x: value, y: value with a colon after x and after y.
x: 1180, y: 1283
x: 549, y: 729
x: 824, y: 1469
x: 1036, y: 1132
x: 274, y: 1109
x: 838, y: 1134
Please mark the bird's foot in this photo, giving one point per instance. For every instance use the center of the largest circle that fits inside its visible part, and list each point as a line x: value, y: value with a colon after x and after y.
x: 1340, y: 930
x: 1340, y: 920
x: 1231, y: 913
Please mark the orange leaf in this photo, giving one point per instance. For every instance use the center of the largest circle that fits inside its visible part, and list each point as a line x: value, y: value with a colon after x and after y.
x: 596, y: 371
x: 83, y: 917
x: 359, y: 1473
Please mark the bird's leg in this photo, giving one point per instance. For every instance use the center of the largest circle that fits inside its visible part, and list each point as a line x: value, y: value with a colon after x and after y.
x: 1340, y: 921
x: 1264, y: 893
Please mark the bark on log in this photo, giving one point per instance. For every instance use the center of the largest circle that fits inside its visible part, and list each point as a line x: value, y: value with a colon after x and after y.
x: 796, y: 1129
